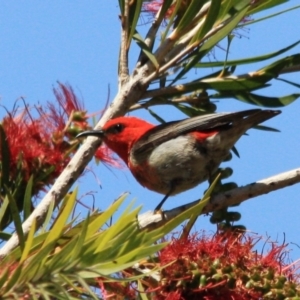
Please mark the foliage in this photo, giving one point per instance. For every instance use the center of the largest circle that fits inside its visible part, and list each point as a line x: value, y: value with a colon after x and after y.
x: 69, y: 258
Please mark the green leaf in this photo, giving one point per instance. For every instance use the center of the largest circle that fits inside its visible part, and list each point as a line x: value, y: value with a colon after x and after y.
x: 27, y: 205
x: 4, y: 236
x: 29, y: 242
x: 264, y: 5
x: 225, y: 30
x: 275, y: 68
x: 289, y: 82
x: 106, y: 215
x: 170, y: 24
x: 189, y: 14
x: 244, y: 61
x: 210, y: 19
x: 156, y: 116
x: 259, y: 100
x: 194, y: 216
x: 58, y: 226
x: 48, y: 217
x: 15, y: 216
x: 5, y: 159
x: 14, y: 277
x: 211, y: 42
x: 122, y: 5
x: 145, y: 49
x: 268, y: 17
x: 135, y: 8
x: 236, y: 83
x: 4, y: 208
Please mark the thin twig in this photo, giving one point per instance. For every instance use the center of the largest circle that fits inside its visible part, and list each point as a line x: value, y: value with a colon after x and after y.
x: 149, y: 220
x: 123, y: 66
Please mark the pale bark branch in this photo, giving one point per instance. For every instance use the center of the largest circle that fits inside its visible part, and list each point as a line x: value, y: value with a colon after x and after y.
x: 149, y: 220
x: 123, y: 63
x: 129, y: 94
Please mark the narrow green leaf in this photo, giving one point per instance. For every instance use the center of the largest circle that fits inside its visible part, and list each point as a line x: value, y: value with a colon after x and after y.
x: 142, y: 294
x: 187, y: 228
x: 171, y: 21
x: 35, y: 269
x: 244, y: 61
x: 87, y: 289
x: 113, y: 230
x: 289, y: 82
x: 4, y: 236
x: 156, y: 116
x: 134, y: 14
x: 29, y: 241
x: 13, y: 279
x: 4, y: 208
x: 163, y: 12
x: 96, y: 224
x: 58, y: 227
x: 122, y: 5
x: 192, y: 111
x: 264, y: 5
x: 48, y: 217
x: 275, y: 68
x: 81, y: 239
x: 259, y: 100
x: 15, y: 217
x: 210, y: 43
x: 170, y: 225
x: 145, y: 49
x: 237, y: 83
x: 128, y: 260
x: 27, y: 198
x: 5, y: 158
x: 5, y: 272
x: 62, y: 259
x: 225, y: 30
x: 193, y: 8
x: 268, y: 16
x: 210, y: 19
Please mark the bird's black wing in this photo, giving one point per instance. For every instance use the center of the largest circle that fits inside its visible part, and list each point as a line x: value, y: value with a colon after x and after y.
x: 164, y: 132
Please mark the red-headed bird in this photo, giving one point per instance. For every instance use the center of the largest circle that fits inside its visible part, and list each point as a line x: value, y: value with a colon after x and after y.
x: 176, y: 156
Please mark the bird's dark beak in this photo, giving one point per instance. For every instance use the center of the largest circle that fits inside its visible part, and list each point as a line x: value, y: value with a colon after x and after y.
x: 99, y: 133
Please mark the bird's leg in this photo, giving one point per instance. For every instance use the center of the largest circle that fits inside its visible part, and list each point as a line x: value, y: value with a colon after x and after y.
x: 158, y: 207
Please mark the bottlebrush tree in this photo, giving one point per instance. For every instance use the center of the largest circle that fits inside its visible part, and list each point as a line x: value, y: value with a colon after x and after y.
x: 47, y: 253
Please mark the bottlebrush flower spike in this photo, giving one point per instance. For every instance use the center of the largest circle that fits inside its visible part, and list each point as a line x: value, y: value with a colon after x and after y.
x: 70, y: 114
x: 31, y: 149
x: 153, y: 6
x: 42, y: 146
x: 105, y: 155
x: 224, y: 266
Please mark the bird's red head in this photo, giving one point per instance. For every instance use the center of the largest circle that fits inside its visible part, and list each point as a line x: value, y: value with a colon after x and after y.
x: 121, y: 133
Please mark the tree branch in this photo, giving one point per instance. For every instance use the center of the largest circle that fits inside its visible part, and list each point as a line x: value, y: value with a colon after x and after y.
x: 123, y: 64
x: 149, y: 220
x: 129, y: 94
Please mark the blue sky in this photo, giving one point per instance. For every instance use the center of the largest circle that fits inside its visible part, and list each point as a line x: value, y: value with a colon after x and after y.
x: 78, y: 42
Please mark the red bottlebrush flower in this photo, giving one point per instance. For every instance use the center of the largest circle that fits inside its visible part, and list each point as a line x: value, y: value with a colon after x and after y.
x: 42, y: 146
x: 224, y: 266
x: 153, y: 6
x: 31, y: 149
x: 69, y: 115
x: 105, y: 155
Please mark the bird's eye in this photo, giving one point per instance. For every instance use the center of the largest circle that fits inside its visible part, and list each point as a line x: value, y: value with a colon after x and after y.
x: 116, y: 128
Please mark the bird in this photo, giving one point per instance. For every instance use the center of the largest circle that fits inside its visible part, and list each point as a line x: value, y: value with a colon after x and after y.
x: 176, y: 156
